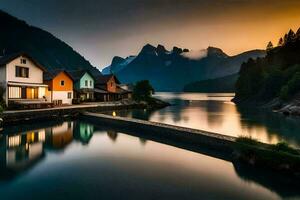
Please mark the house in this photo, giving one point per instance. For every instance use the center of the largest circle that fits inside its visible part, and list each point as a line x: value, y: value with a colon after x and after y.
x: 107, y: 88
x: 60, y: 87
x: 83, y: 85
x: 22, y: 80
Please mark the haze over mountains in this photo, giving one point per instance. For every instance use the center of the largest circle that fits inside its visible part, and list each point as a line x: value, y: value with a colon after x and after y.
x: 16, y: 35
x: 172, y: 70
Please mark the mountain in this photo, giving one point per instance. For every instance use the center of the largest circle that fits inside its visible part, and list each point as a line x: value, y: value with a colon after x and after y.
x: 223, y: 84
x: 172, y: 70
x: 17, y: 36
x: 276, y: 76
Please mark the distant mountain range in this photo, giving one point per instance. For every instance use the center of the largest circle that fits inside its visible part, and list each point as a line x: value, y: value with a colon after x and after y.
x: 172, y: 70
x: 17, y: 36
x: 218, y: 85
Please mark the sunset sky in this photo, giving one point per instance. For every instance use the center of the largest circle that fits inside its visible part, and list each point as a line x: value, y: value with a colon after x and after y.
x: 101, y: 29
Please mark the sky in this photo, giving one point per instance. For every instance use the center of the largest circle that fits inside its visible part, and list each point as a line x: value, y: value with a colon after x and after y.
x: 100, y: 30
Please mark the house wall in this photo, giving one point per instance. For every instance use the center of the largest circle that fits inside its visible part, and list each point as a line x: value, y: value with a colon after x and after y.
x: 2, y: 74
x: 63, y: 96
x: 56, y: 82
x: 111, y: 85
x: 35, y: 73
x: 86, y: 77
x: 3, y: 81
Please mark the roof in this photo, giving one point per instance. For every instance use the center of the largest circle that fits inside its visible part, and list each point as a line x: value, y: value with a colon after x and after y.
x: 78, y: 74
x: 105, y: 78
x: 48, y: 76
x: 8, y: 58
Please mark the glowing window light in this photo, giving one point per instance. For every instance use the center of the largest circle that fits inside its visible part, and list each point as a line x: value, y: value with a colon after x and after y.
x: 41, y: 136
x: 114, y: 114
x: 14, y: 141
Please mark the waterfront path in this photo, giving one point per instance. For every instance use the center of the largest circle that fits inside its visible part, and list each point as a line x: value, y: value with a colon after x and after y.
x: 19, y: 116
x: 166, y: 133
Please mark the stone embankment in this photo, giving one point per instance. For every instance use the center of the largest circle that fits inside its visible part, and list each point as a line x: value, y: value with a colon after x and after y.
x: 60, y: 113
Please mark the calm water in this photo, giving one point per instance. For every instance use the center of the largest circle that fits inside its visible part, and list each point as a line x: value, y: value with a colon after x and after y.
x: 82, y: 160
x: 216, y: 113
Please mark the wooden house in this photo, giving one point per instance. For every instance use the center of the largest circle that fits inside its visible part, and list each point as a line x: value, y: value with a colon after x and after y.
x: 21, y: 77
x: 107, y: 88
x: 83, y: 85
x: 60, y: 87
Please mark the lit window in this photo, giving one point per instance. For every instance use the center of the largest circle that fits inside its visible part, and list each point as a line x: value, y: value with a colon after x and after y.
x: 14, y: 92
x: 62, y: 83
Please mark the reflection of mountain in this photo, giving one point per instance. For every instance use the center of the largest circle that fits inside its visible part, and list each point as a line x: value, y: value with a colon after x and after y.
x: 276, y: 125
x: 283, y: 186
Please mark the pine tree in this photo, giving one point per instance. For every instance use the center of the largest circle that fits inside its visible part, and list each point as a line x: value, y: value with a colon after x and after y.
x: 285, y: 39
x: 270, y: 46
x: 298, y: 34
x: 291, y: 36
x: 280, y: 42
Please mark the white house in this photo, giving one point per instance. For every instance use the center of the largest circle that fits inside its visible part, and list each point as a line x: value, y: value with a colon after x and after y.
x: 22, y: 78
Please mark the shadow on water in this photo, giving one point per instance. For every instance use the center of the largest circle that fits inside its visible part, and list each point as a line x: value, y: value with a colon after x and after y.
x: 21, y: 151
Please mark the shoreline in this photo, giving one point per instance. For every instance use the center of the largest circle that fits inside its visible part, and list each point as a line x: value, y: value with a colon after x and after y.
x: 14, y: 117
x: 257, y: 155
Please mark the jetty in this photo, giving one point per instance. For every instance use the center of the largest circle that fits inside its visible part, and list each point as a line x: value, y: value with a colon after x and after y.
x: 12, y: 117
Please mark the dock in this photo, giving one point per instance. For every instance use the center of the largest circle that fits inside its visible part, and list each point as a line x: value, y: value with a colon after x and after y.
x: 165, y: 132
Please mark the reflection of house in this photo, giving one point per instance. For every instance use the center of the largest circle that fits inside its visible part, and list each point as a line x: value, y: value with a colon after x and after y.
x: 58, y: 137
x: 83, y: 132
x: 60, y: 87
x: 19, y: 152
x: 22, y: 77
x: 83, y: 85
x: 107, y: 88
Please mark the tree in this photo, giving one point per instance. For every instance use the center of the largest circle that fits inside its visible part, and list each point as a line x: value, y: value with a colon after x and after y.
x: 270, y: 46
x: 298, y: 34
x: 142, y: 91
x: 291, y: 36
x: 280, y: 42
x: 2, y: 102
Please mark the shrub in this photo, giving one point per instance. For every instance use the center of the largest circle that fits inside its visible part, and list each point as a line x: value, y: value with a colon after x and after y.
x: 291, y: 88
x: 284, y: 147
x: 247, y: 140
x: 142, y: 91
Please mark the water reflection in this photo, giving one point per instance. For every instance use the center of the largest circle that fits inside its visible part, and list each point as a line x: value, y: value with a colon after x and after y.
x: 215, y: 113
x: 133, y: 166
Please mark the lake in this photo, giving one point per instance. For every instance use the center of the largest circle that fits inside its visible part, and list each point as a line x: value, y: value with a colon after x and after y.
x: 85, y: 160
x: 216, y: 113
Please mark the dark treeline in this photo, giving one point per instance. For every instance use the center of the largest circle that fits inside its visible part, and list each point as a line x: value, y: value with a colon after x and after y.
x: 276, y: 75
x: 54, y: 54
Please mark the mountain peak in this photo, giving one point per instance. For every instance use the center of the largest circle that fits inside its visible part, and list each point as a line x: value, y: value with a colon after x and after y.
x: 148, y: 49
x: 117, y: 60
x: 177, y: 50
x: 215, y: 51
x: 161, y: 49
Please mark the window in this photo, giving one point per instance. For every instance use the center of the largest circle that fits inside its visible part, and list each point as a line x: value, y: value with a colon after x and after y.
x: 111, y: 84
x: 86, y: 83
x: 23, y: 61
x: 22, y: 72
x: 62, y: 83
x: 69, y: 95
x: 91, y: 84
x: 14, y: 92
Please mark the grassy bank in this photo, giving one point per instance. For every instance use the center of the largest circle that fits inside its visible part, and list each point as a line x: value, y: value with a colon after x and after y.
x: 279, y: 157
